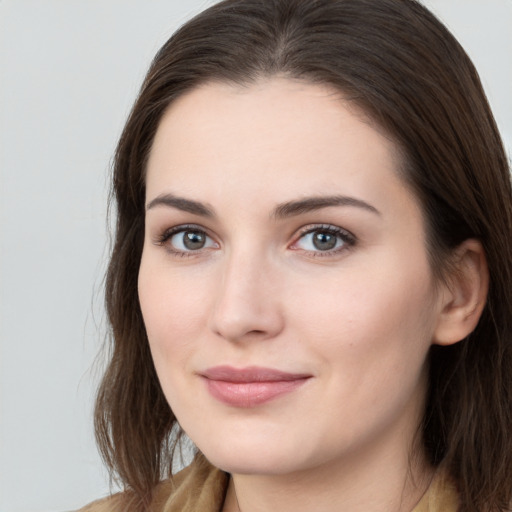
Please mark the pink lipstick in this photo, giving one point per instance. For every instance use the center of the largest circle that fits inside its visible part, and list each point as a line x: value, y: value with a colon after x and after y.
x: 251, y: 386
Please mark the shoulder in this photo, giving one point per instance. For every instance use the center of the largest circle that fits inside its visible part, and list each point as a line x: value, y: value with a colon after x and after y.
x: 110, y: 504
x: 198, y: 487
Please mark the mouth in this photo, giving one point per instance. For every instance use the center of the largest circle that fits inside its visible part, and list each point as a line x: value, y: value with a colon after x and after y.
x: 251, y: 386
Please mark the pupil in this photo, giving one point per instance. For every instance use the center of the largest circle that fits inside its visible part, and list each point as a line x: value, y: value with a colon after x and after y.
x: 324, y: 241
x: 193, y: 240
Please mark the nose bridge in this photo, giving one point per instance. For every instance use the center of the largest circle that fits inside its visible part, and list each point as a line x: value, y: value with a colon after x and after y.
x: 247, y: 301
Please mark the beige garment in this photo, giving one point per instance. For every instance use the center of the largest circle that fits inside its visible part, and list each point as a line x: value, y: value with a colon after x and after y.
x: 201, y: 487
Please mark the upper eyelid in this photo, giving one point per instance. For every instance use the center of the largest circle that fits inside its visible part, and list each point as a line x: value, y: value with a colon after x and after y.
x: 310, y: 228
x: 348, y: 237
x: 163, y: 236
x: 184, y: 227
x: 301, y: 231
x: 163, y: 239
x: 167, y: 233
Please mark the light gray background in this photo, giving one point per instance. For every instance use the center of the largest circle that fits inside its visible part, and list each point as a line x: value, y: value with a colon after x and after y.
x: 70, y: 70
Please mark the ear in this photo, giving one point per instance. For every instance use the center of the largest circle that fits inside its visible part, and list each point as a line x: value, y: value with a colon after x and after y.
x: 464, y: 296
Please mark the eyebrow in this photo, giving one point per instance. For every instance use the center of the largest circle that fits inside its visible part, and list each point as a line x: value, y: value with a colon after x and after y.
x: 283, y: 210
x: 180, y: 203
x: 309, y: 204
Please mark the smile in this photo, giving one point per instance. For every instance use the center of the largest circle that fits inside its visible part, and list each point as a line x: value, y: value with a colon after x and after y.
x: 250, y: 387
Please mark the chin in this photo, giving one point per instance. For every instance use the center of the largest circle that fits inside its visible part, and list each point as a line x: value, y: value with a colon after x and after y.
x: 251, y: 463
x: 255, y: 456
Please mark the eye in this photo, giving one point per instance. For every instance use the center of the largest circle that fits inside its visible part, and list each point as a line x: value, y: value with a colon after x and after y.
x: 324, y: 239
x: 186, y: 239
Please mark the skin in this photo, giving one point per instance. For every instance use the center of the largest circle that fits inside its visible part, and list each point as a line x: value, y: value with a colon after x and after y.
x: 358, y: 319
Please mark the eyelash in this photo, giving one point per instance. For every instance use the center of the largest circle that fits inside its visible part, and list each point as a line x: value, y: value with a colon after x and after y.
x: 183, y: 228
x: 347, y: 238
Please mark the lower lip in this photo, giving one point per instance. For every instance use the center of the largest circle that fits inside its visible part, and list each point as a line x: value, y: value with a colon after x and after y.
x: 251, y: 394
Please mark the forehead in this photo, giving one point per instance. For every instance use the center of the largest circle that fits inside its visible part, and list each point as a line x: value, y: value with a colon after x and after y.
x: 277, y: 137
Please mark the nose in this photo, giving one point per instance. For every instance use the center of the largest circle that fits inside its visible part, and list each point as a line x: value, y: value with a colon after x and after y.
x: 247, y: 304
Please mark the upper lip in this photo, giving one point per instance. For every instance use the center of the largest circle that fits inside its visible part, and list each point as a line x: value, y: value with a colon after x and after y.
x: 250, y: 374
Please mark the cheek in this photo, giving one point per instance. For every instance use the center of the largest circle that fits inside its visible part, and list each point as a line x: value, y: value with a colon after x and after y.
x: 173, y: 308
x: 370, y: 335
x: 382, y: 317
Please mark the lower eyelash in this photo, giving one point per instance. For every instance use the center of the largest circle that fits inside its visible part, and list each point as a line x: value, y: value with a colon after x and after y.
x: 348, y: 238
x: 165, y: 236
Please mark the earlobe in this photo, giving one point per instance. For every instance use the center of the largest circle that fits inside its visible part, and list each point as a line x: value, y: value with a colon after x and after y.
x: 464, y: 296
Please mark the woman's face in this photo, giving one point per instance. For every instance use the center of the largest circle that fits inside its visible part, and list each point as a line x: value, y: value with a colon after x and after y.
x: 284, y: 281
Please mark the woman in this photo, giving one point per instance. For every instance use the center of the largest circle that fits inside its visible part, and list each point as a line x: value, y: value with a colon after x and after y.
x: 311, y: 270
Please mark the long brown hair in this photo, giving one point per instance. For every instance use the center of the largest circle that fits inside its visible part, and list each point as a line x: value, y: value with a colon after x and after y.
x: 397, y: 62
